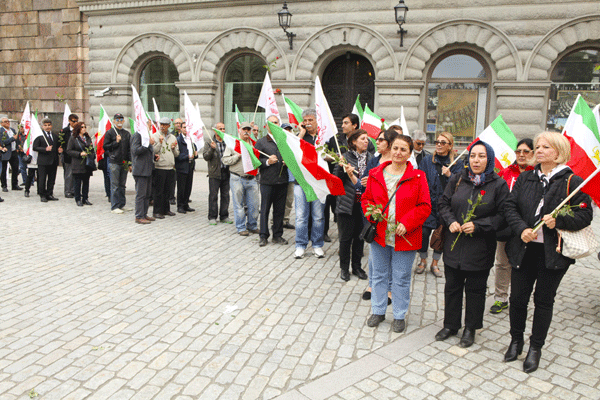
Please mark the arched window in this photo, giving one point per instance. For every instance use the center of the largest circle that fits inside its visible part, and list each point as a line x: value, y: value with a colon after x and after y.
x: 157, y: 81
x: 458, y: 96
x: 576, y: 73
x: 242, y: 82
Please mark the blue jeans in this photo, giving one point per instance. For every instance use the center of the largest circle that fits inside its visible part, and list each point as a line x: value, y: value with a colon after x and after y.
x: 305, y: 211
x: 400, y: 262
x: 244, y: 191
x: 23, y: 168
x: 118, y: 178
x: 370, y: 262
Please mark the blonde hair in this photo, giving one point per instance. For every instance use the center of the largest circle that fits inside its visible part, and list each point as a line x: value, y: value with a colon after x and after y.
x: 558, y: 142
x: 450, y: 138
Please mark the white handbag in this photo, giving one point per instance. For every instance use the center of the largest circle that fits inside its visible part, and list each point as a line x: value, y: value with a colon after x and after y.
x: 578, y: 244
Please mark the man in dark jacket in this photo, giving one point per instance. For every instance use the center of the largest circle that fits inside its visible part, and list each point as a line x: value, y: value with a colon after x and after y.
x: 273, y: 188
x: 64, y: 137
x: 184, y: 166
x: 48, y: 152
x: 9, y: 141
x: 218, y: 177
x: 117, y: 143
x: 142, y: 156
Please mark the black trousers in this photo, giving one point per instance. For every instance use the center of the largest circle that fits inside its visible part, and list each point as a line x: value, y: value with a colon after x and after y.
x: 272, y: 195
x: 47, y: 177
x: 216, y: 208
x: 160, y: 190
x: 81, y: 186
x: 172, y: 189
x: 329, y: 209
x: 184, y: 188
x: 533, y: 269
x: 351, y: 247
x: 14, y: 166
x: 473, y: 283
x: 30, y: 175
x: 143, y: 193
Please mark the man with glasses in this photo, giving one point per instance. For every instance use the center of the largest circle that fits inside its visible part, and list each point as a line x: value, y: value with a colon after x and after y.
x: 419, y: 140
x: 66, y: 159
x: 9, y: 140
x: 117, y: 144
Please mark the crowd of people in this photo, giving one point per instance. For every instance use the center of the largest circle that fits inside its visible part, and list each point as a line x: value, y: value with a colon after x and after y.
x: 483, y: 217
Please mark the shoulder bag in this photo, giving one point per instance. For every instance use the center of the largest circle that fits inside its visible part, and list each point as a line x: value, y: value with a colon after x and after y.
x: 368, y: 231
x: 90, y: 163
x: 576, y: 244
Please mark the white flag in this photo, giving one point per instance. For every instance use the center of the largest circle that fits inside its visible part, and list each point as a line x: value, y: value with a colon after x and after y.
x: 267, y: 99
x: 26, y: 124
x: 35, y: 131
x: 193, y: 122
x: 325, y: 121
x: 403, y: 124
x: 156, y: 113
x: 140, y: 118
x: 66, y: 116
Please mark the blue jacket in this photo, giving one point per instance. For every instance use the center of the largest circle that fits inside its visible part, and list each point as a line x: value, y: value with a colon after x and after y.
x: 436, y: 188
x: 183, y: 164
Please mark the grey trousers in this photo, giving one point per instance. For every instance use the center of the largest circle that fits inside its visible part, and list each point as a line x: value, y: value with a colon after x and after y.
x: 68, y: 174
x: 503, y: 270
x: 289, y: 202
x: 143, y: 194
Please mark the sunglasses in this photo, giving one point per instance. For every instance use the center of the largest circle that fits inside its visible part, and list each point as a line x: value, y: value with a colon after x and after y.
x: 119, y: 119
x: 523, y: 152
x: 380, y: 139
x: 441, y: 142
x: 420, y: 143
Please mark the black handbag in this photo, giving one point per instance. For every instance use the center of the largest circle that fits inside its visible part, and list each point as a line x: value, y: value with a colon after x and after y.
x: 27, y: 158
x: 90, y: 163
x: 368, y: 231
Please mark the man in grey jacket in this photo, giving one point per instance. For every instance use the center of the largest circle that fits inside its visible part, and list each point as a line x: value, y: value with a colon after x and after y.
x: 218, y: 178
x: 142, y: 160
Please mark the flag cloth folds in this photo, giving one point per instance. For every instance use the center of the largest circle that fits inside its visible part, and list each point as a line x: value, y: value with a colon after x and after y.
x: 156, y: 112
x: 239, y: 118
x: 503, y: 141
x: 357, y: 109
x: 103, y: 126
x: 371, y: 123
x: 267, y: 99
x: 141, y: 118
x: 596, y: 112
x: 325, y: 121
x: 193, y: 122
x: 65, y: 121
x: 249, y: 154
x: 26, y: 124
x: 581, y: 129
x: 302, y: 159
x: 36, y: 130
x: 294, y: 111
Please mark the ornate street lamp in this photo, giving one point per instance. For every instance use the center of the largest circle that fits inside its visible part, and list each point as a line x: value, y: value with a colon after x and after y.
x: 401, y: 10
x: 285, y: 19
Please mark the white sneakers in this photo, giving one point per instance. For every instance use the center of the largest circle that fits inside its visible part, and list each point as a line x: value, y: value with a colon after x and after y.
x: 319, y: 253
x: 117, y: 211
x: 299, y: 253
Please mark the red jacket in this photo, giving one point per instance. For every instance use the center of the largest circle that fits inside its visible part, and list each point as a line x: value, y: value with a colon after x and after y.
x: 412, y: 202
x: 511, y: 173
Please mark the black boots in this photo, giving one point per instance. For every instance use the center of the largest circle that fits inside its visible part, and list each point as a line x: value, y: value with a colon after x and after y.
x: 532, y: 361
x: 515, y: 348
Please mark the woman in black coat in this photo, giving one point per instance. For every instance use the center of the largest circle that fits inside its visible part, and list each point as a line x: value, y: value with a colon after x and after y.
x: 348, y: 209
x: 467, y: 262
x: 79, y: 148
x: 534, y: 257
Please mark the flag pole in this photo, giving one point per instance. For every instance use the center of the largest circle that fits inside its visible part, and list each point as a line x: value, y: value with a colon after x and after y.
x: 459, y: 156
x: 573, y: 193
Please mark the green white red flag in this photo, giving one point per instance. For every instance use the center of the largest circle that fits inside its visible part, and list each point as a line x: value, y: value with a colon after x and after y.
x: 249, y: 154
x: 357, y: 109
x: 581, y: 129
x: 325, y: 121
x: 26, y: 124
x: 193, y: 122
x: 371, y: 122
x: 302, y: 159
x: 65, y: 121
x: 503, y: 141
x: 294, y: 112
x: 35, y: 131
x: 156, y: 112
x: 596, y: 112
x: 239, y: 118
x: 103, y: 126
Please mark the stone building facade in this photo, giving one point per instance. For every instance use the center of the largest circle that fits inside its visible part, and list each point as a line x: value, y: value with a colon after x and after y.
x: 43, y: 57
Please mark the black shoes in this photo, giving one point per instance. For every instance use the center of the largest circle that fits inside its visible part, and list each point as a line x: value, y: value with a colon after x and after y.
x: 16, y: 188
x: 445, y: 333
x: 170, y: 213
x: 52, y: 198
x: 5, y: 189
x: 79, y: 203
x: 532, y: 361
x: 375, y: 320
x: 279, y: 240
x: 398, y: 325
x: 366, y: 295
x: 189, y: 209
x: 86, y: 202
x: 360, y: 273
x: 345, y: 275
x: 26, y: 193
x: 515, y: 348
x: 158, y: 216
x: 468, y: 338
x: 289, y: 226
x: 326, y: 238
x: 181, y: 210
x: 262, y: 242
x: 43, y: 199
x: 69, y: 196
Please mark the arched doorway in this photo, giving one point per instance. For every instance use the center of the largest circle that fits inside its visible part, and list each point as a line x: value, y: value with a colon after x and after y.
x: 157, y: 80
x: 344, y: 78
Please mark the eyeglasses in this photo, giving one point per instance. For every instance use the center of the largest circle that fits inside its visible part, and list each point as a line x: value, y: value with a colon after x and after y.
x: 523, y: 151
x: 118, y: 119
x: 72, y: 120
x: 380, y: 139
x: 246, y: 129
x: 420, y: 143
x: 441, y: 142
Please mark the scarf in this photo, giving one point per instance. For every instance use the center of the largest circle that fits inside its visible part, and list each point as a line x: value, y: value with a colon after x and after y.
x: 479, y: 179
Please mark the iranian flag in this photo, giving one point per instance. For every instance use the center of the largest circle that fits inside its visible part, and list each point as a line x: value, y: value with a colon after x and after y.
x: 141, y: 118
x: 267, y: 99
x: 65, y: 121
x: 34, y: 132
x: 503, y: 141
x: 596, y: 112
x: 193, y: 122
x: 249, y: 154
x: 581, y: 129
x: 357, y: 109
x: 103, y: 126
x: 302, y: 159
x: 26, y: 124
x: 294, y: 112
x: 371, y: 122
x: 325, y: 121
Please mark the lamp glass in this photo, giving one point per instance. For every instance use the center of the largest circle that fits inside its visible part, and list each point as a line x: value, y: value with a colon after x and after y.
x: 285, y: 17
x: 401, y: 9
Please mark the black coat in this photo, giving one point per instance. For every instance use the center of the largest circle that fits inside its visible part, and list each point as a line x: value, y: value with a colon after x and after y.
x: 74, y: 149
x: 522, y: 204
x: 46, y: 157
x: 66, y: 134
x: 345, y: 203
x: 142, y: 158
x: 273, y: 174
x: 476, y: 252
x: 117, y: 151
x: 183, y: 164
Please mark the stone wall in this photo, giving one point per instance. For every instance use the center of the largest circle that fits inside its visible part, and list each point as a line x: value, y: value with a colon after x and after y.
x: 43, y: 57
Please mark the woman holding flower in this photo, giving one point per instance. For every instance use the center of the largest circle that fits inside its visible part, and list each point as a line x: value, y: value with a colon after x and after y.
x: 470, y: 211
x: 79, y: 147
x: 398, y: 233
x: 535, y: 257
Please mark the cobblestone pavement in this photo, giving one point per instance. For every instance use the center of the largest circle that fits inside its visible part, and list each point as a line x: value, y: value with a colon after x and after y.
x: 94, y: 306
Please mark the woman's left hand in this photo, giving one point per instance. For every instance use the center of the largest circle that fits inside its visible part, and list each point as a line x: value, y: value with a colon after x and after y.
x: 401, y: 230
x: 549, y: 221
x: 469, y: 227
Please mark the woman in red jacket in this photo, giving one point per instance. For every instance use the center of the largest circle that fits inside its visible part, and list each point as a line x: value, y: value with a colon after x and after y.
x: 395, y: 244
